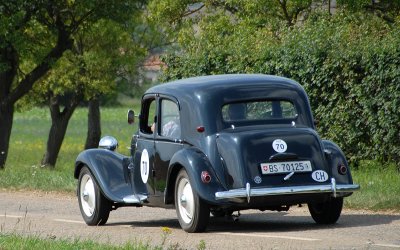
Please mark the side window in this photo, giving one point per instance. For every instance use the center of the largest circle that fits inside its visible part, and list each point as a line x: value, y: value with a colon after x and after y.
x: 148, y: 117
x: 170, y: 120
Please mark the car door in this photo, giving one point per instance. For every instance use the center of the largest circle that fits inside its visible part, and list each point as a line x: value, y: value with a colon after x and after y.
x: 143, y: 181
x: 168, y: 140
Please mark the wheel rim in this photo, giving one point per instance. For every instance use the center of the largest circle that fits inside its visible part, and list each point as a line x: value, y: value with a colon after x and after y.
x: 185, y: 200
x: 87, y: 195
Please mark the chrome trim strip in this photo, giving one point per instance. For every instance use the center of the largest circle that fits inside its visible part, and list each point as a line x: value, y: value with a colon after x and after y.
x: 248, y: 192
x: 333, y: 184
x: 315, y: 189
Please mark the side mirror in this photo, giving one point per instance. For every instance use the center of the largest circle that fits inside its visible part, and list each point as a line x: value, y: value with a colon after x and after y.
x: 108, y: 142
x: 131, y: 116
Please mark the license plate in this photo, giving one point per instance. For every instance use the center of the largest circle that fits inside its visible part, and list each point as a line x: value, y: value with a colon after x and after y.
x: 286, y: 167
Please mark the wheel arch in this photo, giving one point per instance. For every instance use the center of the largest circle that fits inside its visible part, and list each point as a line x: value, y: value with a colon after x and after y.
x: 194, y: 162
x: 107, y: 169
x: 170, y: 190
x: 335, y: 157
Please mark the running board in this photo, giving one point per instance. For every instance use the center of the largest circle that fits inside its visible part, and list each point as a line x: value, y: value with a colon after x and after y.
x: 135, y: 199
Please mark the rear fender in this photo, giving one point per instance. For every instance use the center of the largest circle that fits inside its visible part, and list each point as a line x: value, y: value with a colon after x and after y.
x: 108, y: 169
x: 335, y: 158
x: 194, y: 162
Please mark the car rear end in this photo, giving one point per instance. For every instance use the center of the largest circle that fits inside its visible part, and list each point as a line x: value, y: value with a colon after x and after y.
x: 271, y: 160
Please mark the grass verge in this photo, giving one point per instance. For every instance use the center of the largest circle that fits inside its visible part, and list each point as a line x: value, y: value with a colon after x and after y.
x: 19, y: 241
x: 15, y: 241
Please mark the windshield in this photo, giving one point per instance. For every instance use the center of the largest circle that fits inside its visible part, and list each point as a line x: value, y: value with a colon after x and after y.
x: 265, y: 110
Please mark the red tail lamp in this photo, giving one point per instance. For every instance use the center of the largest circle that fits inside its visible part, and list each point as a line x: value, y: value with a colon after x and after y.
x: 200, y: 129
x: 205, y: 177
x: 342, y: 169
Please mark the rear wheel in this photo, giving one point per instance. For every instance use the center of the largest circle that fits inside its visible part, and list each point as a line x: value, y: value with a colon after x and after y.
x: 193, y: 213
x: 95, y: 208
x: 326, y: 212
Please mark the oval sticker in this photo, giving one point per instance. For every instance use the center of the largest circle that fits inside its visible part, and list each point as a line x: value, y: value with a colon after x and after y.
x: 320, y: 176
x: 144, y: 166
x: 279, y: 145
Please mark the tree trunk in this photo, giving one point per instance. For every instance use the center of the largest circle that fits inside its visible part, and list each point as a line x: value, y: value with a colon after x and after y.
x: 94, y: 126
x: 59, y: 124
x: 6, y: 122
x: 56, y: 136
x: 8, y: 57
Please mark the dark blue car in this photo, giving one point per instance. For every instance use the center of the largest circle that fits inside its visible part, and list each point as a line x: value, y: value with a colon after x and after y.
x: 218, y: 144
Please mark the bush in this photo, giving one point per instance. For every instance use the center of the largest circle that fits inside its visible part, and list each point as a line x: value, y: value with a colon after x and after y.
x: 349, y: 65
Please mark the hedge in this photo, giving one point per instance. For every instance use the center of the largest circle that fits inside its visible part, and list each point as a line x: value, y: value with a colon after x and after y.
x: 349, y: 64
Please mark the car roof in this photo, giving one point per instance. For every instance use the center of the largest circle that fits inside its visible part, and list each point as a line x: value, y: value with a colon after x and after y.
x: 215, y: 84
x: 201, y: 98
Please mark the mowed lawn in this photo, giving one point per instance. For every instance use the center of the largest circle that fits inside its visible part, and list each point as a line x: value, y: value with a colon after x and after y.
x: 28, y: 144
x: 380, y: 184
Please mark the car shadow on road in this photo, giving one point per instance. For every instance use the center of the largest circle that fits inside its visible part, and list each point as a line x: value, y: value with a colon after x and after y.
x: 270, y: 222
x: 284, y: 222
x: 171, y: 223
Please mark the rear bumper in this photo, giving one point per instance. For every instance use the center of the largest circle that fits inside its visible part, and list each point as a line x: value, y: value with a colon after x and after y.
x: 248, y: 192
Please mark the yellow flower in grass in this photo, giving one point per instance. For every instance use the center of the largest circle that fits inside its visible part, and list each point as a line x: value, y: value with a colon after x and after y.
x: 166, y: 230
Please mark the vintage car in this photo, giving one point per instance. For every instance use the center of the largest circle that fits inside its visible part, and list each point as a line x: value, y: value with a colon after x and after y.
x: 218, y: 144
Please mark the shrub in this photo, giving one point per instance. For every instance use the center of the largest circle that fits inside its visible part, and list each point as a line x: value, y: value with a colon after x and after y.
x: 349, y: 65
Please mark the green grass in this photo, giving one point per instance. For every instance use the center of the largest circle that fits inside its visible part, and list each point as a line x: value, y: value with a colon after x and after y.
x: 15, y: 241
x: 28, y: 143
x: 380, y: 187
x: 28, y: 242
x: 379, y: 184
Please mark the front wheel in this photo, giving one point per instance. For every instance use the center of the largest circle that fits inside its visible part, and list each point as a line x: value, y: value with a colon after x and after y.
x: 193, y: 213
x: 327, y: 212
x: 95, y: 208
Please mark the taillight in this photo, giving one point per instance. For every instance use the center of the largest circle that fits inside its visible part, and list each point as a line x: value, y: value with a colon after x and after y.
x: 342, y: 169
x: 200, y: 129
x: 205, y: 177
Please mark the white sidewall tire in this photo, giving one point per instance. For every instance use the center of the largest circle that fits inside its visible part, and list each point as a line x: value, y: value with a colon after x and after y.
x: 193, y: 213
x: 94, y: 206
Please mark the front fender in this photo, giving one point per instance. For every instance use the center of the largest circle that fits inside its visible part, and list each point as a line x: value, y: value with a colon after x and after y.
x: 194, y: 162
x: 335, y: 157
x: 107, y: 168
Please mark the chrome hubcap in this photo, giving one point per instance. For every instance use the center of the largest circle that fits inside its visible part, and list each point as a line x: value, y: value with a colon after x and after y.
x: 183, y: 200
x: 85, y: 196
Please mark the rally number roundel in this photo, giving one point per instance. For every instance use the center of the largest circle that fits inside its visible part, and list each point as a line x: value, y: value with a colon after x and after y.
x: 144, y: 166
x: 279, y: 145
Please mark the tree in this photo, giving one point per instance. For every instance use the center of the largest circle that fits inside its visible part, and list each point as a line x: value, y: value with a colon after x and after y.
x: 347, y: 62
x: 388, y: 10
x: 34, y: 34
x: 101, y: 54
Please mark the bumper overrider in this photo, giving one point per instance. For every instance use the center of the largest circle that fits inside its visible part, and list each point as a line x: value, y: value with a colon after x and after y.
x: 248, y: 192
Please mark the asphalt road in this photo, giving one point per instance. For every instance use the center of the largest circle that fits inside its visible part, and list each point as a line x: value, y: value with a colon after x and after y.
x: 57, y: 216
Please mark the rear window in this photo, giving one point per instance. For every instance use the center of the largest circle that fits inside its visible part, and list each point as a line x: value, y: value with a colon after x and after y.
x: 259, y: 110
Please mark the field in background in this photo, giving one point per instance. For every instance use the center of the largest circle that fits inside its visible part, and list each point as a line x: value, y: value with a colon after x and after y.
x: 28, y: 143
x: 379, y: 184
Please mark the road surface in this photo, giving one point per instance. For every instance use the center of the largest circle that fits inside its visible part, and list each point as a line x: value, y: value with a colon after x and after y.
x: 57, y: 216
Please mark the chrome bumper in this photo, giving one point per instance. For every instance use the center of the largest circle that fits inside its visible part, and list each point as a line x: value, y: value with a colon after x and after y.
x: 314, y: 189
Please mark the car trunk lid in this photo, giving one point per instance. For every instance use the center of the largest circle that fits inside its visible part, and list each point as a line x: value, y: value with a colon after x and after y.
x: 272, y: 157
